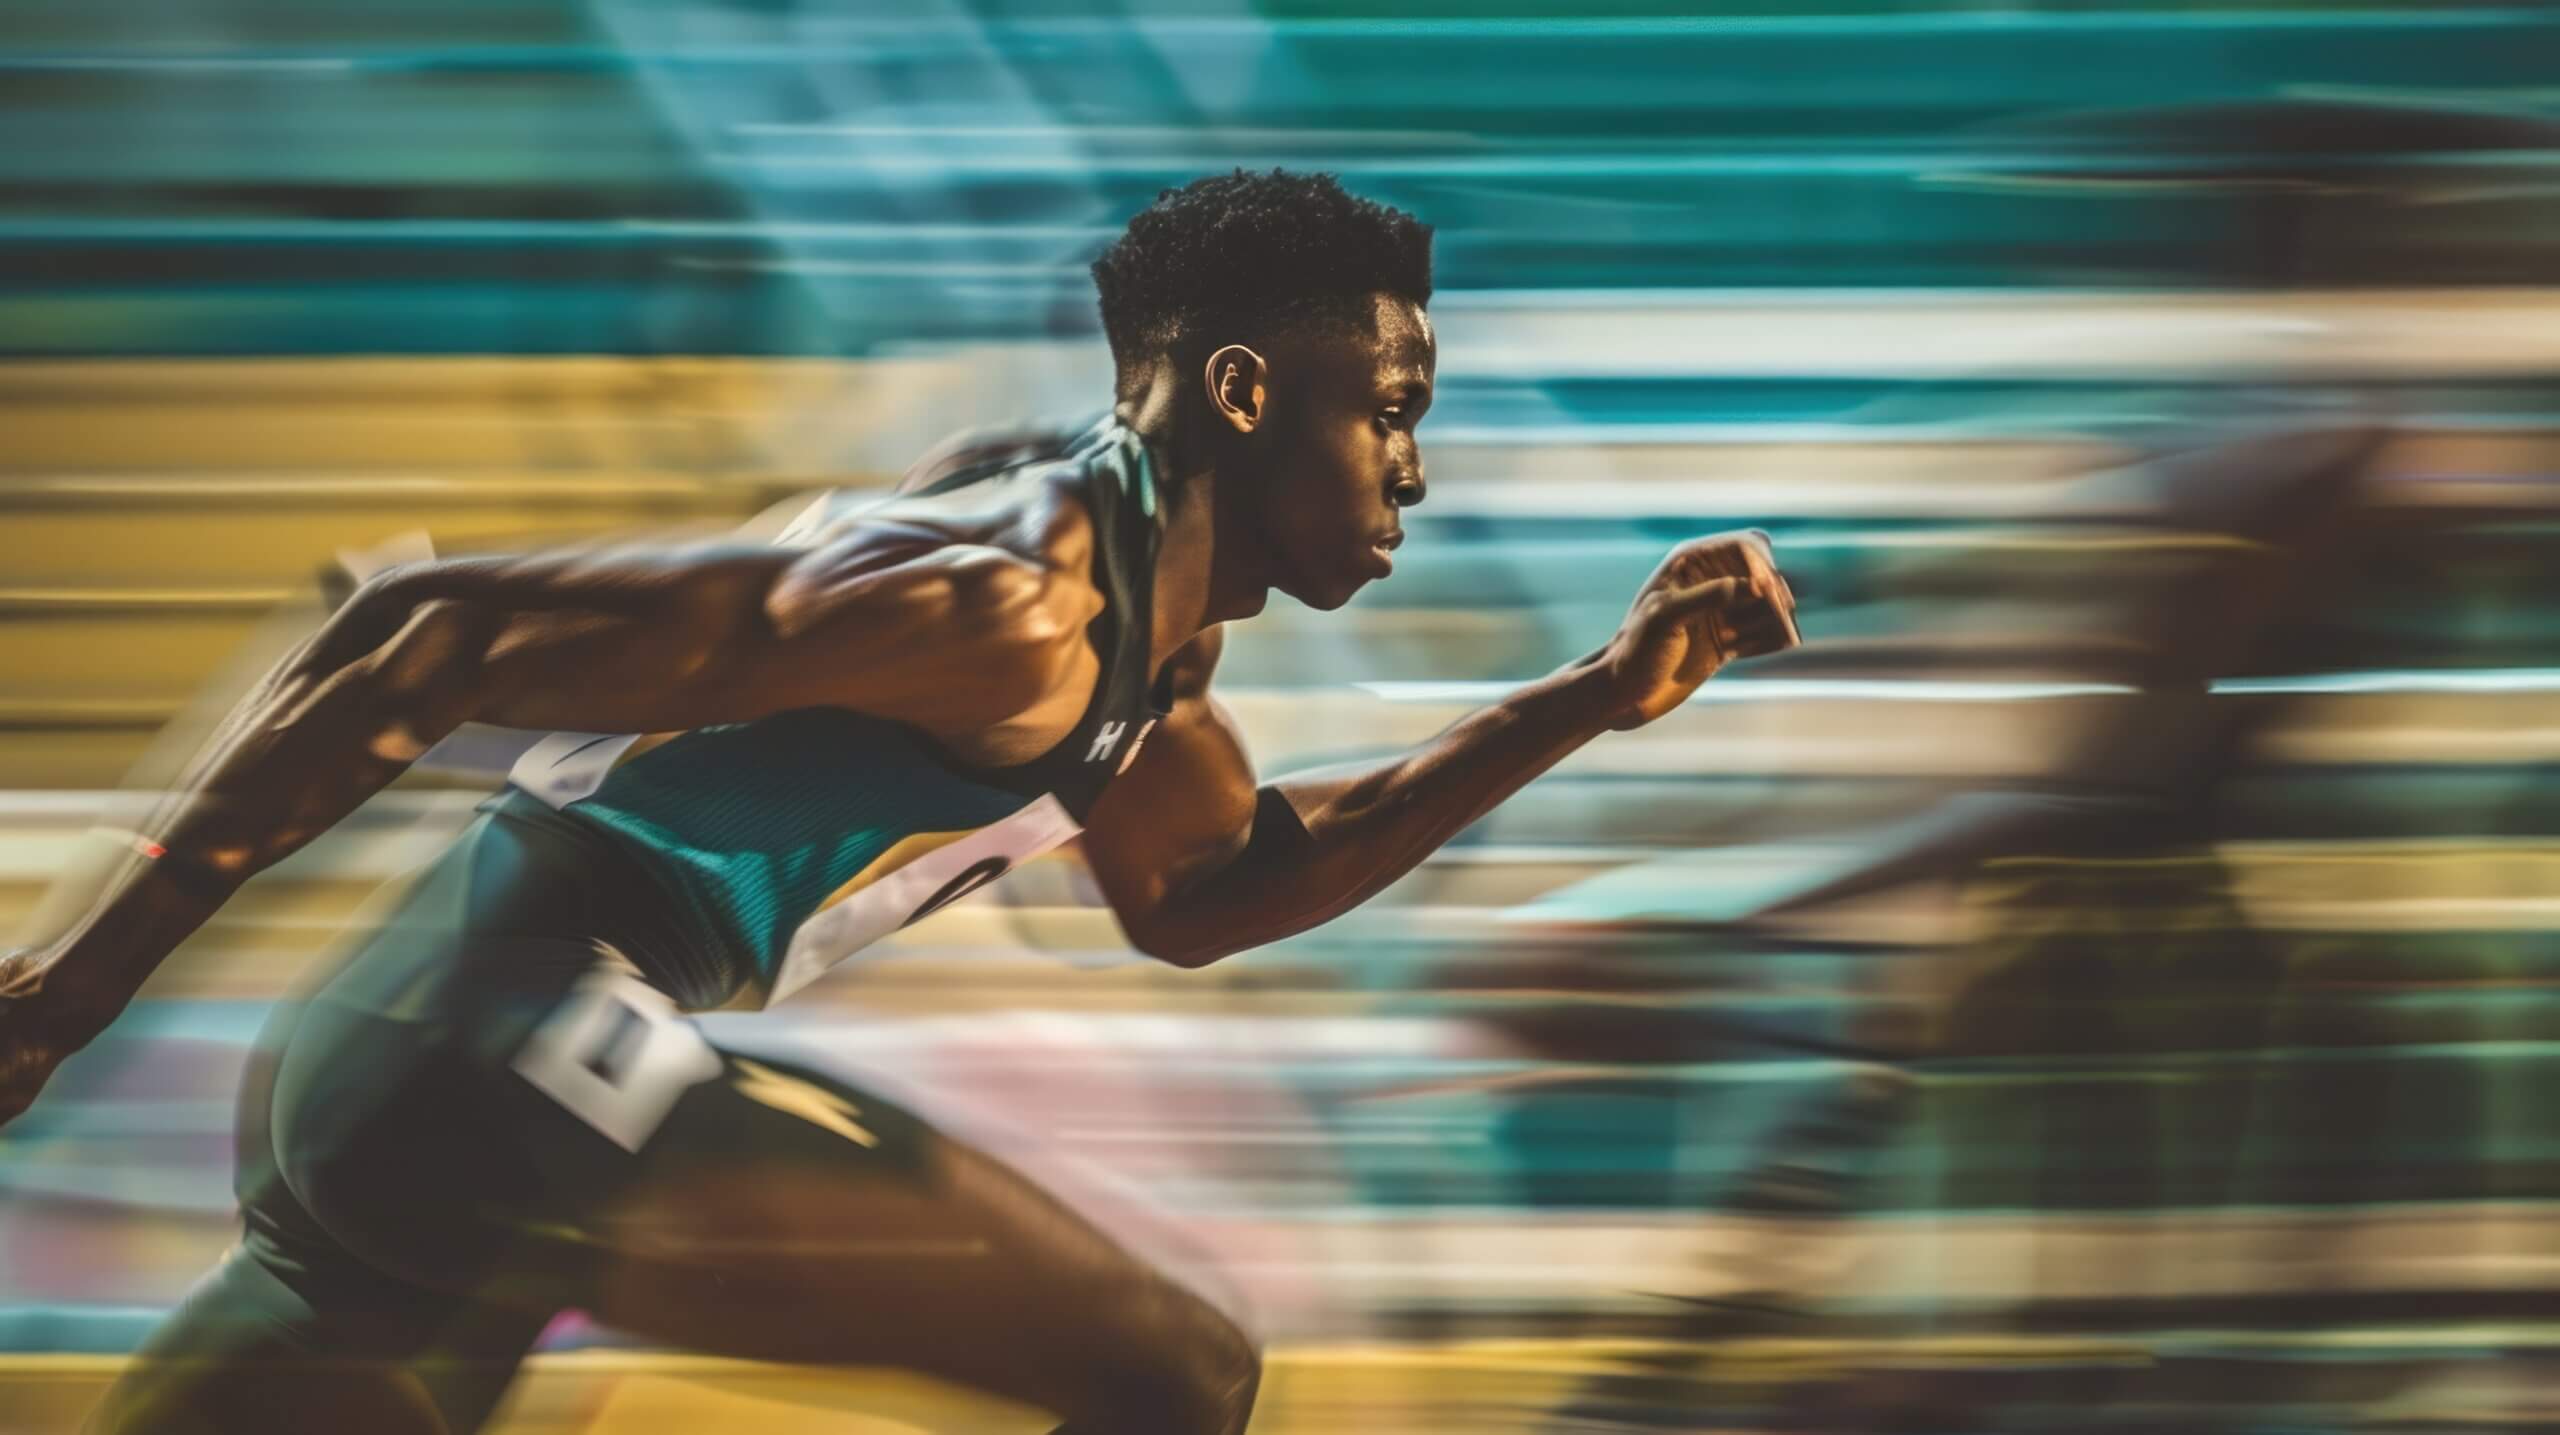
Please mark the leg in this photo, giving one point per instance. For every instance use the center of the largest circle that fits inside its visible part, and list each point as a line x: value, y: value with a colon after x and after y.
x: 780, y: 1215
x: 291, y: 1334
x: 271, y: 1344
x: 588, y: 1148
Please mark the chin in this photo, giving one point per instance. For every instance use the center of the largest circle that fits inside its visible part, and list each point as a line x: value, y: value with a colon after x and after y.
x: 1326, y: 595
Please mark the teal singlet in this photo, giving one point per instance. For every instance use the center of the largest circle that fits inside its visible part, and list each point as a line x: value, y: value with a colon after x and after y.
x: 785, y: 844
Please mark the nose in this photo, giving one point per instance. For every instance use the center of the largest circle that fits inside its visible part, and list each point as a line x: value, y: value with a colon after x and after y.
x: 1406, y: 491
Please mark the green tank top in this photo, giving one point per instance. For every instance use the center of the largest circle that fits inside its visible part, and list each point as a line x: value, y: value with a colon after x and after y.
x: 786, y: 844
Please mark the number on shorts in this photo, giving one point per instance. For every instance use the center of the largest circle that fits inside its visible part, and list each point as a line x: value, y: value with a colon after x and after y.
x: 617, y: 1055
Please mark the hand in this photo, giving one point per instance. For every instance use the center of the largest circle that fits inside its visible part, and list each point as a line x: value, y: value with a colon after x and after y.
x: 37, y: 1030
x: 1713, y: 600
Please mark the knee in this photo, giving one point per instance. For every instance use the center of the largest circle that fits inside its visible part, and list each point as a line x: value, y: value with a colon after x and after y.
x: 1224, y: 1374
x: 1194, y: 1371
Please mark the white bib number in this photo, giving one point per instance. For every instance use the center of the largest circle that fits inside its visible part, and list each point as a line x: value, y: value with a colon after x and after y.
x: 617, y: 1055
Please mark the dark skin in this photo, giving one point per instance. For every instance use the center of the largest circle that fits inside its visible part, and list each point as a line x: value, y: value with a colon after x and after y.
x: 1292, y: 456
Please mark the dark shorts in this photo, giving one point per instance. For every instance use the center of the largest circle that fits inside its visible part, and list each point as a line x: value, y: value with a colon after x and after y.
x: 435, y: 1144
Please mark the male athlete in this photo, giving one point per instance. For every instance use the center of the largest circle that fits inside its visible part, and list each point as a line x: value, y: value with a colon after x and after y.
x: 495, y: 1109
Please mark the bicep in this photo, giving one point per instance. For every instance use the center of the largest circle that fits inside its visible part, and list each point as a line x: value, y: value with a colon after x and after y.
x: 1184, y: 810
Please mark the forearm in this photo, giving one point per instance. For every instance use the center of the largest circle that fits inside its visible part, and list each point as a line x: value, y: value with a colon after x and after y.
x: 320, y: 734
x: 1322, y: 843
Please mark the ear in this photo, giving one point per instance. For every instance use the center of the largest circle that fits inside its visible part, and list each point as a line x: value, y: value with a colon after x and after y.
x: 1234, y: 380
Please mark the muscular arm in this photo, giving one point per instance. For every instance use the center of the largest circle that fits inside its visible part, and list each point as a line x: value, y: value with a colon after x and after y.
x: 1199, y: 862
x: 954, y: 637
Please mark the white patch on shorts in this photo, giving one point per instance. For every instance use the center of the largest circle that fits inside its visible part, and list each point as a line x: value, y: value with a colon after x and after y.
x: 617, y: 1055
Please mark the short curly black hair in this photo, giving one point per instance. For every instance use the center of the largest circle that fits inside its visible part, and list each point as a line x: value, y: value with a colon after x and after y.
x: 1245, y: 251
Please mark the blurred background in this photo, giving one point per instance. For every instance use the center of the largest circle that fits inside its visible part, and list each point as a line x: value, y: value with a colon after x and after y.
x: 2105, y: 981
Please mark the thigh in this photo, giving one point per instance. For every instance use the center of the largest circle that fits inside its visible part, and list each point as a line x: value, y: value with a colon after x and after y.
x: 770, y: 1210
x: 313, y: 1343
x: 606, y: 1156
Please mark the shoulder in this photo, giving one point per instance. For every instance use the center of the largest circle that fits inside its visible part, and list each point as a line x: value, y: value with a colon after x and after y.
x: 1036, y: 514
x: 1004, y: 480
x: 1011, y: 551
x: 986, y: 449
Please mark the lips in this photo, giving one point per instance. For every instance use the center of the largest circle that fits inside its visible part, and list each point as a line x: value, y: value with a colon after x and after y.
x: 1383, y: 550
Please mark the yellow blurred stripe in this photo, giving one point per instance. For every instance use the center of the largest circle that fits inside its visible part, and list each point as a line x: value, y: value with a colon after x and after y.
x: 576, y: 413
x: 1488, y: 1385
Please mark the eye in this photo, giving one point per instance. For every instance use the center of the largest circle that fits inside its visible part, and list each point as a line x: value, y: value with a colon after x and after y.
x: 1391, y: 417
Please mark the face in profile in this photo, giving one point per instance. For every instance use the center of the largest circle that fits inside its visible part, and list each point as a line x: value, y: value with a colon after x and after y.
x: 1339, y: 460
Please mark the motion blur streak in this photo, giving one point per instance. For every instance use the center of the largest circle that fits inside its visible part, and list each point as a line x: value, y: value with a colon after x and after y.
x: 2106, y: 980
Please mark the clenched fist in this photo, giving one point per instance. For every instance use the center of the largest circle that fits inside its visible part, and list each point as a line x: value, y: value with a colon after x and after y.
x: 36, y: 1032
x: 1713, y: 600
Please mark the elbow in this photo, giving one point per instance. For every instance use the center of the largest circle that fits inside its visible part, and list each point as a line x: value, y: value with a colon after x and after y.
x: 391, y: 591
x: 431, y: 677
x: 1191, y: 957
x: 1160, y: 940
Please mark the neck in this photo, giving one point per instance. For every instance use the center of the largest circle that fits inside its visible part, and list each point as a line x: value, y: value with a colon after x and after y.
x: 1203, y: 574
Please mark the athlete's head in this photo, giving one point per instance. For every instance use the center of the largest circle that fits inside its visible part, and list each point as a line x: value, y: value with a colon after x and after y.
x: 1290, y: 316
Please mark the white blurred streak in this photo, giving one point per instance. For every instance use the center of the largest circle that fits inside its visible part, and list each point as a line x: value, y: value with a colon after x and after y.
x: 1942, y: 334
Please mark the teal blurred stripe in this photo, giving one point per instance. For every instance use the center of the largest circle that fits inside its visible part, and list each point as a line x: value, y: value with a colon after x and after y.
x: 985, y: 156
